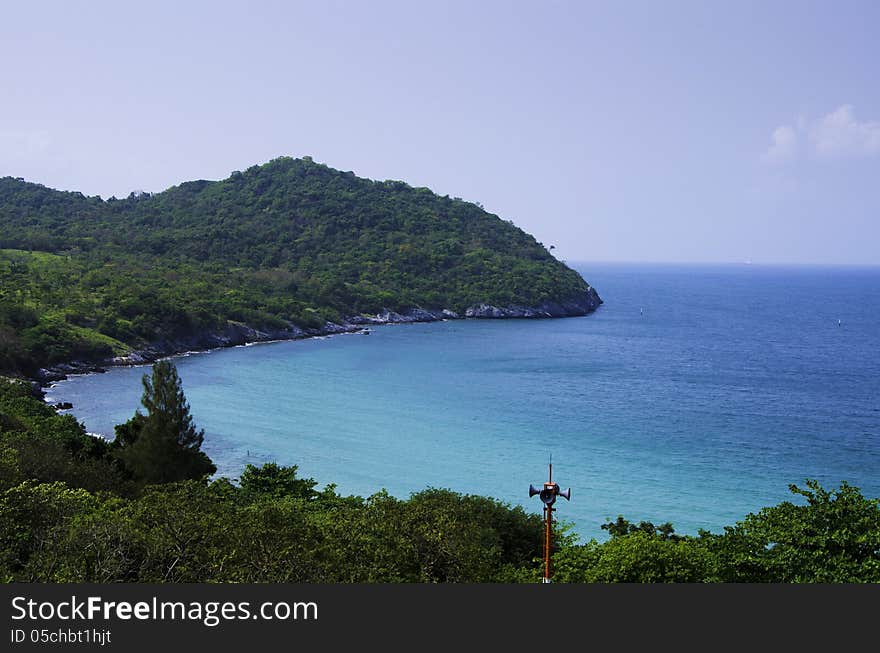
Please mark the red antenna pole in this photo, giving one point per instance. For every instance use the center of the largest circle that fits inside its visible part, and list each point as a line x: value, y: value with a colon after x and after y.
x: 548, y: 526
x: 548, y: 497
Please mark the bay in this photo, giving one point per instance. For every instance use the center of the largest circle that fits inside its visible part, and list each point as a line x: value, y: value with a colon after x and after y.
x: 696, y: 394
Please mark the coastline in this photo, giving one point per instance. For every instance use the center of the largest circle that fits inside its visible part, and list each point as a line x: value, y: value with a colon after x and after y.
x: 625, y: 405
x: 237, y: 334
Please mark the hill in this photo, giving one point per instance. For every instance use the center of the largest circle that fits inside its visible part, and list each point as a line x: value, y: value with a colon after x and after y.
x: 281, y: 250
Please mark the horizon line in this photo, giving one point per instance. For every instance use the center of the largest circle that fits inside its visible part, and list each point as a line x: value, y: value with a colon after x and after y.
x: 575, y: 261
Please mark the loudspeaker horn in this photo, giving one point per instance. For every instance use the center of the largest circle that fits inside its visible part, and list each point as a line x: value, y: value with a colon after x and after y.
x: 566, y: 494
x: 533, y: 491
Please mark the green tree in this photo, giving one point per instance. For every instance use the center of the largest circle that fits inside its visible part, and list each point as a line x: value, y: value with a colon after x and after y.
x: 635, y: 557
x: 164, y: 445
x: 275, y: 481
x: 33, y: 518
x: 833, y: 538
x: 38, y: 443
x: 622, y: 526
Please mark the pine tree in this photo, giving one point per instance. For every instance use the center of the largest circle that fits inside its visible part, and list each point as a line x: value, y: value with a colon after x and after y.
x: 163, y: 445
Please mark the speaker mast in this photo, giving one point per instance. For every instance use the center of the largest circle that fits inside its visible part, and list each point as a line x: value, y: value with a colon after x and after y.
x: 548, y: 496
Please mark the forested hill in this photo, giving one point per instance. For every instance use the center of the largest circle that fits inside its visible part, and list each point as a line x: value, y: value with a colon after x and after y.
x: 279, y: 248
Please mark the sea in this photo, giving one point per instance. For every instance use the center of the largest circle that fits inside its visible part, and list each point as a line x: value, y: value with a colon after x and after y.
x: 696, y: 394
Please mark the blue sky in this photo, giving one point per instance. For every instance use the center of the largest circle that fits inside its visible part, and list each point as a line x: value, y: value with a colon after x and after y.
x: 637, y: 131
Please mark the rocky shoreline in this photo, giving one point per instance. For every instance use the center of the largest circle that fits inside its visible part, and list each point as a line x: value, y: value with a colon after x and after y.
x: 237, y: 333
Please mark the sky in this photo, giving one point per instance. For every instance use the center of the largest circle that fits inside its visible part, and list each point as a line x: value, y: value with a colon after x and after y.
x: 615, y: 131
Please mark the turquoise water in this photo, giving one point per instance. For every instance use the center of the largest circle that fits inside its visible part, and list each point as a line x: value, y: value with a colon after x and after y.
x: 694, y: 395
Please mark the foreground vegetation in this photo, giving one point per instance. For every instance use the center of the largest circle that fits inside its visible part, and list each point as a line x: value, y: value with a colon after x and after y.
x: 75, y: 508
x: 291, y: 242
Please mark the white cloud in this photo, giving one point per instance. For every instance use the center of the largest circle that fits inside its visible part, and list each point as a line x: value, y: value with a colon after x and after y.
x: 835, y: 135
x: 840, y: 134
x: 784, y: 145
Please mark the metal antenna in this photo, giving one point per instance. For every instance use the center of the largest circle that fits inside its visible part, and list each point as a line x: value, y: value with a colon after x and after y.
x: 548, y: 496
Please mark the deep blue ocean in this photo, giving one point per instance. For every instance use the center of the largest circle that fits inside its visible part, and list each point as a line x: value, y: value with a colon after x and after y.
x: 695, y: 394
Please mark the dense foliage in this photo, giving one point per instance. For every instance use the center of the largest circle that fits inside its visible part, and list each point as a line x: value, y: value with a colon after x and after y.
x: 40, y: 445
x: 291, y: 241
x: 70, y: 510
x: 831, y: 537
